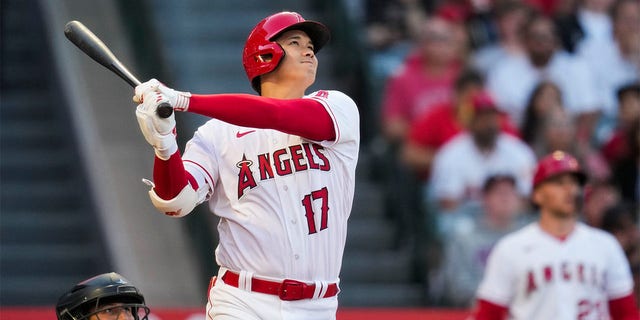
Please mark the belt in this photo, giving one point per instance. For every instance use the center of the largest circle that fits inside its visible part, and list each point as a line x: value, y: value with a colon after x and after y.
x: 287, y: 290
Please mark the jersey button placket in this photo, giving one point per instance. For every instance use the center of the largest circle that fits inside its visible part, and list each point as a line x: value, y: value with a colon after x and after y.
x: 289, y: 200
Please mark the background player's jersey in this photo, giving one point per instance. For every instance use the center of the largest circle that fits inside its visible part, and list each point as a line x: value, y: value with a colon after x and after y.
x: 538, y: 276
x: 267, y: 184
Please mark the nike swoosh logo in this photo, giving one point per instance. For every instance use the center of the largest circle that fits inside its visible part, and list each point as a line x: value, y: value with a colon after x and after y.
x: 242, y: 134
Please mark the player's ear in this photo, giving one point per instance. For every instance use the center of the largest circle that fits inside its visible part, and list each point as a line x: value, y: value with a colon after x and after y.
x: 536, y: 197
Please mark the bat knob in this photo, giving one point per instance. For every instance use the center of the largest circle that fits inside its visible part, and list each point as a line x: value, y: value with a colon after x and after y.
x: 164, y: 110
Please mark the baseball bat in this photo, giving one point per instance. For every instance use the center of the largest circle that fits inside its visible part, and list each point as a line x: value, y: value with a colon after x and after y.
x: 92, y: 46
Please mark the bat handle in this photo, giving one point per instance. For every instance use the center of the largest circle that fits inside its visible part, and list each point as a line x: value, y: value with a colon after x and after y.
x: 164, y: 110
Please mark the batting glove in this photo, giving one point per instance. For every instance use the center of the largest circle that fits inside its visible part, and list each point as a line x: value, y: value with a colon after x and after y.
x: 179, y: 100
x: 160, y: 133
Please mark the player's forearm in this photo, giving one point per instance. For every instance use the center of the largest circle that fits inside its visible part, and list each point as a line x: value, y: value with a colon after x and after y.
x: 175, y: 191
x: 169, y: 176
x: 303, y: 117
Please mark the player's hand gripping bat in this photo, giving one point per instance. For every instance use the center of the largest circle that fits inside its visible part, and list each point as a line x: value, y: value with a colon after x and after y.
x: 92, y: 46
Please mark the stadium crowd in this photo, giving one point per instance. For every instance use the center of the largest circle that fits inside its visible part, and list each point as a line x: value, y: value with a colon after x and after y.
x: 472, y: 93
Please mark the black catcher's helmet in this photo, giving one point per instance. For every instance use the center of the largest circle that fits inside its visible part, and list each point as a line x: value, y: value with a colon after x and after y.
x: 88, y: 296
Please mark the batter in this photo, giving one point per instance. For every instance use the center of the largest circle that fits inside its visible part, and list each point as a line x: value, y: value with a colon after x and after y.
x: 278, y: 169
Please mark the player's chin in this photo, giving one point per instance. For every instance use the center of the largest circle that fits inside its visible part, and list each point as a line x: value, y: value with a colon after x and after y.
x: 569, y: 209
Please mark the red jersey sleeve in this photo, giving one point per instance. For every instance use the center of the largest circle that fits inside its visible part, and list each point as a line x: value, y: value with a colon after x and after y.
x: 302, y: 117
x: 624, y: 308
x: 486, y: 310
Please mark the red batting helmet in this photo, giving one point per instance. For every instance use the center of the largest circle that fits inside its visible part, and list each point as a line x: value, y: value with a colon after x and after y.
x: 261, y: 41
x: 555, y: 164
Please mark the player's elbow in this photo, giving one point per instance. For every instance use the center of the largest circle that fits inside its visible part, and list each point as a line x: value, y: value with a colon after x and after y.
x: 181, y: 205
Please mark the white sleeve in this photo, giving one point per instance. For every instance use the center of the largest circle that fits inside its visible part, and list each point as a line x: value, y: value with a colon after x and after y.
x: 498, y: 283
x: 200, y: 160
x: 618, y: 275
x: 344, y: 114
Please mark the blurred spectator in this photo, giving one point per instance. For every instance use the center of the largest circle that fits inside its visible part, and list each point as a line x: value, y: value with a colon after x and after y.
x: 589, y: 20
x: 459, y: 14
x: 424, y: 80
x: 509, y: 16
x: 622, y: 149
x: 443, y: 122
x: 619, y: 144
x: 391, y: 28
x: 559, y: 133
x: 551, y: 8
x: 468, y: 247
x: 615, y: 60
x: 598, y: 197
x: 514, y: 79
x: 622, y: 222
x: 461, y: 166
x: 546, y: 96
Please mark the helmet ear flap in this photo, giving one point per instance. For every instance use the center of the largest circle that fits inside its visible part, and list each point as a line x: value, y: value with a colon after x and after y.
x: 275, y: 51
x: 263, y: 65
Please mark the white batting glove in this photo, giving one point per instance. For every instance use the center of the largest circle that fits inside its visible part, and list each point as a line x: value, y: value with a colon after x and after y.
x: 177, y: 99
x: 160, y: 133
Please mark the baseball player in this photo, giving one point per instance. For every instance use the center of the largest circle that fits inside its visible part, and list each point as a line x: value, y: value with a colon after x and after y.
x: 557, y: 267
x: 108, y: 296
x: 278, y: 169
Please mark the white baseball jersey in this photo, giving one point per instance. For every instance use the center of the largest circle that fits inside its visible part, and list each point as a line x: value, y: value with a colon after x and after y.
x: 283, y: 200
x: 538, y: 276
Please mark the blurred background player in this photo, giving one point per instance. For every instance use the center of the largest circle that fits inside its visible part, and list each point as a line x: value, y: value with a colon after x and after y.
x: 278, y: 169
x: 108, y: 296
x: 557, y: 267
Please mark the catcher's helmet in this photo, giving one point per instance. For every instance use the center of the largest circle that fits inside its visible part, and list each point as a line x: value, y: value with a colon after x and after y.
x: 89, y: 295
x: 555, y: 164
x: 261, y: 41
